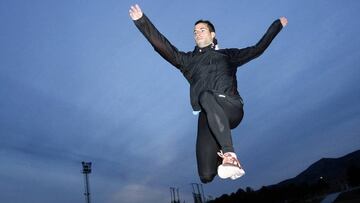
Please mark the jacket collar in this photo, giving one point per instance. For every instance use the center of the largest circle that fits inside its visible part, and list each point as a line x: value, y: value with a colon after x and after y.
x: 204, y: 49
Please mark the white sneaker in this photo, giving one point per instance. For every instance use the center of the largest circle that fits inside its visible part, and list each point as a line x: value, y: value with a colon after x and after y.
x: 230, y: 167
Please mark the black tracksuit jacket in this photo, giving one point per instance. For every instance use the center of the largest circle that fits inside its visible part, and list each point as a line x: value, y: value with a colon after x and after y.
x: 207, y: 68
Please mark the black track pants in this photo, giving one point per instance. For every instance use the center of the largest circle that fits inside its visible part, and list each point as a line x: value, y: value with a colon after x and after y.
x: 219, y: 114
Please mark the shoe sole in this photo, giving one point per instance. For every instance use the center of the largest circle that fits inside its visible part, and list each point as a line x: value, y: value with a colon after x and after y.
x: 230, y: 171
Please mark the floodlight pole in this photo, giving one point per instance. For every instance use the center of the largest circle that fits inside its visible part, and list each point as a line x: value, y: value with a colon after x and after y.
x: 86, y: 170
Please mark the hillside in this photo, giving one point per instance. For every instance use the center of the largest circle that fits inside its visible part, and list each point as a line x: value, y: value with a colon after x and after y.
x: 331, y: 170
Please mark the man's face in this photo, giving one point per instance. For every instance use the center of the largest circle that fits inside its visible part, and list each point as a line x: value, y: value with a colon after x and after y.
x: 202, y: 35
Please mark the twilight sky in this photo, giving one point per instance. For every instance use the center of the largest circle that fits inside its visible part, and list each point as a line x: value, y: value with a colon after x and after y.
x: 78, y: 82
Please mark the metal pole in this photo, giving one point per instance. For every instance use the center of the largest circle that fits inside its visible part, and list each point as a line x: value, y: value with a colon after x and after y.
x: 171, y: 194
x: 203, y: 194
x: 87, y: 189
x: 86, y: 170
x: 196, y: 193
x: 178, y: 196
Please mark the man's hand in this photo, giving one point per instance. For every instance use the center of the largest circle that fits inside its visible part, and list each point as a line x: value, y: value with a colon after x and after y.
x: 135, y: 12
x: 283, y: 21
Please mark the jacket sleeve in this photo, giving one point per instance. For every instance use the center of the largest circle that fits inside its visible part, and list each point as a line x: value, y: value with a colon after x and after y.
x: 160, y: 43
x: 239, y: 57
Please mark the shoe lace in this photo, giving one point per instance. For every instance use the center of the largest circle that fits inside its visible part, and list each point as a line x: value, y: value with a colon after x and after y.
x: 221, y: 154
x: 228, y: 158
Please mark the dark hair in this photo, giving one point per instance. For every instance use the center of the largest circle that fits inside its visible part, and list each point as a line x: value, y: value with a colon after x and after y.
x: 210, y: 26
x: 208, y: 23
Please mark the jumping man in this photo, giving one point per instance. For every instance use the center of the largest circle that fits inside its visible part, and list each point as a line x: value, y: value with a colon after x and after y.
x: 211, y: 73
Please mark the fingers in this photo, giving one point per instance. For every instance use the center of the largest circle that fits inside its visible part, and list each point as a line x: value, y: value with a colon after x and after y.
x: 135, y: 12
x: 137, y: 7
x: 134, y: 9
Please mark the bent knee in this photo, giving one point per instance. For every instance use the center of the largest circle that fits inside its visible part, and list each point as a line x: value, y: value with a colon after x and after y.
x: 207, y: 178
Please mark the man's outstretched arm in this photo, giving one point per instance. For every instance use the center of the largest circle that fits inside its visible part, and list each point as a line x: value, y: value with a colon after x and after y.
x: 156, y: 39
x: 244, y: 55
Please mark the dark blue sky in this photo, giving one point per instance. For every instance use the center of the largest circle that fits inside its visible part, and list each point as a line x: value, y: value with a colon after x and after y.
x: 78, y: 82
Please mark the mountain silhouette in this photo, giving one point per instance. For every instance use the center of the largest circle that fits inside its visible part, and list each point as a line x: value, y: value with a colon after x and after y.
x: 331, y: 170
